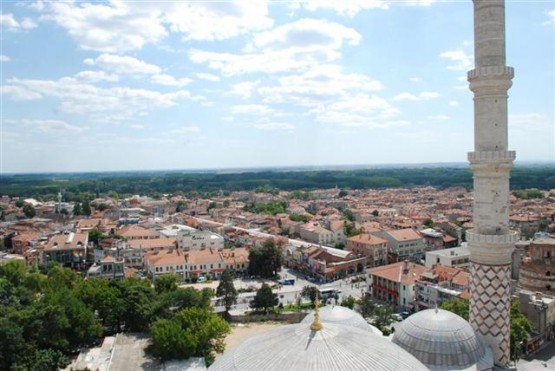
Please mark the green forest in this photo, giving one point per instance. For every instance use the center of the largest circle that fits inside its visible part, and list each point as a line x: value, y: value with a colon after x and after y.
x: 79, y: 186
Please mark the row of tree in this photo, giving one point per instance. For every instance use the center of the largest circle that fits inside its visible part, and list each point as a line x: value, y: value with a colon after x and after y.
x: 45, y: 316
x: 81, y: 187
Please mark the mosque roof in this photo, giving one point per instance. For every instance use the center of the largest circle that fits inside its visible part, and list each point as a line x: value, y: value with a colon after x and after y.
x: 343, y: 316
x: 334, y: 347
x: 442, y: 340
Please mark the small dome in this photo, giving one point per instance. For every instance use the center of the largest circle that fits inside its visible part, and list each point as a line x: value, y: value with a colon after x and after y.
x: 334, y: 347
x: 343, y: 316
x: 442, y: 340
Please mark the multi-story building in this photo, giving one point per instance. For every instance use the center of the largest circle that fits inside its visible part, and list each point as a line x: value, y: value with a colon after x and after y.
x: 372, y: 247
x: 315, y: 233
x: 196, y: 263
x: 70, y: 249
x: 198, y: 240
x: 540, y: 310
x: 404, y: 244
x: 455, y: 257
x: 537, y: 271
x: 394, y: 283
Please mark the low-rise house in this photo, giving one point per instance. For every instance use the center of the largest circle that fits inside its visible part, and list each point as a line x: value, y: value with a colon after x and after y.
x: 372, y: 247
x: 135, y: 232
x: 440, y: 284
x: 330, y: 264
x: 108, y: 267
x: 23, y: 241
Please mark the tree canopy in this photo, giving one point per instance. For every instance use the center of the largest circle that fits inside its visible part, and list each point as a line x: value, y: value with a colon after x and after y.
x: 226, y: 290
x: 264, y: 299
x: 266, y: 260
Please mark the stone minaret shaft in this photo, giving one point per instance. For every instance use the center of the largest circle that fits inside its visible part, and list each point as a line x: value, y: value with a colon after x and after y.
x: 491, y: 242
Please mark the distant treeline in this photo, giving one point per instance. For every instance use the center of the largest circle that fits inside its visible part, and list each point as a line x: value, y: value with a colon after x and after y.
x: 91, y: 185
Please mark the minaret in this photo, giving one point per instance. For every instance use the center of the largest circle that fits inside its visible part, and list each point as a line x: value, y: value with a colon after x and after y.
x: 491, y: 242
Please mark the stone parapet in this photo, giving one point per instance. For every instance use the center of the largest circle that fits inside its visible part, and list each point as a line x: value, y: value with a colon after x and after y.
x: 504, y: 72
x: 491, y: 249
x: 490, y: 157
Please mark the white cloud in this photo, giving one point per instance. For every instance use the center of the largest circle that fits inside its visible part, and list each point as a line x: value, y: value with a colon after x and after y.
x: 317, y: 85
x: 20, y: 93
x: 251, y: 109
x: 95, y: 76
x: 244, y: 89
x: 273, y: 126
x: 4, y: 58
x: 207, y: 76
x: 123, y: 64
x: 550, y: 16
x: 79, y: 97
x: 164, y: 79
x: 119, y: 26
x: 350, y: 8
x: 294, y: 46
x: 53, y: 126
x: 425, y: 95
x: 453, y: 103
x: 217, y: 20
x: 463, y: 61
x: 9, y: 22
x: 359, y: 111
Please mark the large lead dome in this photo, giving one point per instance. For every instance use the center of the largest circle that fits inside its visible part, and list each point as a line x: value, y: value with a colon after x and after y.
x: 442, y: 340
x: 334, y: 347
x: 343, y: 316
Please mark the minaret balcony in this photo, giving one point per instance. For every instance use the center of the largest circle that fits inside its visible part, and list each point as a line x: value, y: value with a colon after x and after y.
x: 491, y: 157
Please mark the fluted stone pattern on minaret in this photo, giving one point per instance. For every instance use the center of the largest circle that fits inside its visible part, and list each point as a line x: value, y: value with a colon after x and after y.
x: 491, y: 242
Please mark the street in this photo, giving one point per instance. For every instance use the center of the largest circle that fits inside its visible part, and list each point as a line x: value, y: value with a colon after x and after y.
x: 543, y: 360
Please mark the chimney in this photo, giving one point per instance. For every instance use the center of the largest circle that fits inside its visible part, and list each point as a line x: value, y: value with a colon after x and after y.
x: 405, y: 267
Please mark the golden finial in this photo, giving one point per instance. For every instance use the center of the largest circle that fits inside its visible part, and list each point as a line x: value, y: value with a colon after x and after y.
x: 316, y: 324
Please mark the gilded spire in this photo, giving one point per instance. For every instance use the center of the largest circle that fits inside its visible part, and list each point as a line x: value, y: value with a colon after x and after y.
x: 316, y: 324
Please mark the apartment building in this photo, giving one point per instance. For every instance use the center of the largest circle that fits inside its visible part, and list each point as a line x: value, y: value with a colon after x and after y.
x: 372, y: 247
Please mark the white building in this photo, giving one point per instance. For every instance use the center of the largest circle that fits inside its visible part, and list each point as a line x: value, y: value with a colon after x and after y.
x: 198, y: 240
x: 455, y: 257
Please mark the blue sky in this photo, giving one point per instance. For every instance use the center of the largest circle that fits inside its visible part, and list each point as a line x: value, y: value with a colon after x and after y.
x: 122, y: 85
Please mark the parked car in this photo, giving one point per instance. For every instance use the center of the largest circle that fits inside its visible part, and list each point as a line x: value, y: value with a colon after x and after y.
x: 397, y: 317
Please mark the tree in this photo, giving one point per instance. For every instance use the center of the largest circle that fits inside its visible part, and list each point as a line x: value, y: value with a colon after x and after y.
x: 44, y: 360
x: 95, y: 235
x: 86, y: 208
x: 428, y: 223
x: 458, y: 306
x: 520, y: 329
x: 264, y: 298
x: 310, y: 293
x: 166, y: 282
x: 349, y: 302
x: 265, y: 261
x: 348, y: 214
x: 226, y: 290
x: 383, y: 317
x: 29, y: 211
x: 77, y: 209
x: 342, y: 193
x: 376, y: 213
x: 367, y: 306
x: 195, y: 332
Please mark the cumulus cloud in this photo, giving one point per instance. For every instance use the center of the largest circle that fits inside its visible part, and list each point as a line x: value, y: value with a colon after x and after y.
x: 317, y: 85
x: 119, y: 26
x: 80, y: 97
x: 207, y: 76
x: 462, y: 61
x: 453, y: 103
x: 123, y: 64
x: 95, y: 76
x: 550, y: 16
x: 9, y: 22
x: 4, y: 58
x: 53, y: 126
x: 168, y: 80
x: 274, y: 126
x: 251, y: 109
x: 244, y: 89
x: 425, y: 95
x: 350, y: 8
x: 294, y: 46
